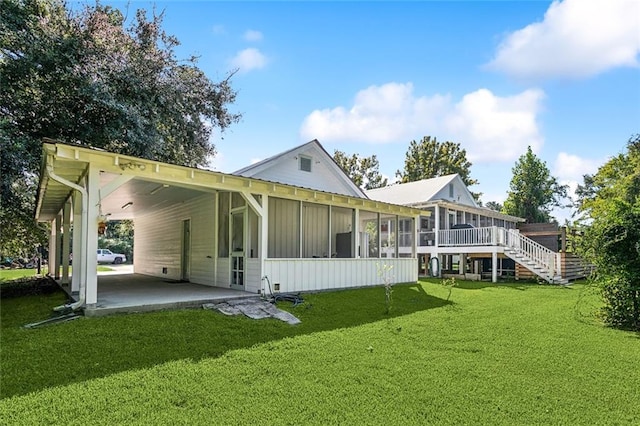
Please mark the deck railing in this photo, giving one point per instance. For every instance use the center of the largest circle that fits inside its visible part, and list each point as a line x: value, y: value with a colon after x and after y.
x: 533, y: 255
x: 488, y: 236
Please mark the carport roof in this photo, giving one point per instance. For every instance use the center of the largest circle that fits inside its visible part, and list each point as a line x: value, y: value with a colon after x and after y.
x: 147, y: 184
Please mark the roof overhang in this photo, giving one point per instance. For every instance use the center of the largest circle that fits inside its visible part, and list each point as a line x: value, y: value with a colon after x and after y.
x: 466, y: 208
x: 149, y: 185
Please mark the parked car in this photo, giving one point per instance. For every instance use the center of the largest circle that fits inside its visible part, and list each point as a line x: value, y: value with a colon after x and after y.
x: 107, y: 256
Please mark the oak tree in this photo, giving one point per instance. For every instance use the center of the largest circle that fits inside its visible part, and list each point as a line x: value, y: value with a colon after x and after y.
x: 87, y: 77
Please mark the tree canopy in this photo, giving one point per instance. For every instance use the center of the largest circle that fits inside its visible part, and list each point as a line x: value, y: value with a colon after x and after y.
x: 533, y: 192
x: 88, y: 77
x: 364, y: 171
x: 429, y: 158
x: 609, y: 204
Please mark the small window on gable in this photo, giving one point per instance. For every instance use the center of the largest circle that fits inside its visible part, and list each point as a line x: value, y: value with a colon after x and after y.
x: 450, y: 190
x: 305, y: 163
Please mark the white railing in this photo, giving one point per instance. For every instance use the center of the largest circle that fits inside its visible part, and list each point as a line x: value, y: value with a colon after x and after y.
x: 543, y: 257
x: 488, y: 236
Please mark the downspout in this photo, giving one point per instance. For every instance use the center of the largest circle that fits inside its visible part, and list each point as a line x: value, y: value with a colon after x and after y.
x: 85, y: 232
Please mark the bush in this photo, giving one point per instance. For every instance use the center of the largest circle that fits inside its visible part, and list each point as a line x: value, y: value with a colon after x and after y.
x: 622, y: 303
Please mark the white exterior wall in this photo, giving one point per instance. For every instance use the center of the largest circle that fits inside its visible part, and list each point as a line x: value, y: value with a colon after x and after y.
x: 461, y: 194
x: 252, y: 276
x: 158, y: 237
x: 223, y: 273
x: 325, y: 274
x: 322, y: 177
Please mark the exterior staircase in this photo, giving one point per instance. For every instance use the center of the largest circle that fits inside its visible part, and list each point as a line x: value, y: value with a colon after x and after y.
x: 533, y: 256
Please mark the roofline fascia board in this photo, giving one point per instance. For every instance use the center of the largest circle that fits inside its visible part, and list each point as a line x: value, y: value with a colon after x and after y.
x: 472, y: 209
x: 212, y: 180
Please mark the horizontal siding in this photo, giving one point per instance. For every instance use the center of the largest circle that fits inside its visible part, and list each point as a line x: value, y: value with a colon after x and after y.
x: 325, y: 274
x: 574, y: 267
x: 158, y: 240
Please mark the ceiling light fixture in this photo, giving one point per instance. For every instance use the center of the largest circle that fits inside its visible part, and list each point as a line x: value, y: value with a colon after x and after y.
x: 158, y: 189
x: 126, y: 206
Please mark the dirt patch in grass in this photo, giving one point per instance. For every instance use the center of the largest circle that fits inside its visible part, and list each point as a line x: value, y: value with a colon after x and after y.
x: 28, y: 286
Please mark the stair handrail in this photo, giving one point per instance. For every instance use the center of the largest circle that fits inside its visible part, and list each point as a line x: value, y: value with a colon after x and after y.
x: 533, y: 250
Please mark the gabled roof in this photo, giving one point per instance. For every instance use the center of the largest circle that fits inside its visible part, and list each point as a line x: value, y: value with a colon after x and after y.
x: 261, y: 168
x: 147, y: 184
x: 412, y: 193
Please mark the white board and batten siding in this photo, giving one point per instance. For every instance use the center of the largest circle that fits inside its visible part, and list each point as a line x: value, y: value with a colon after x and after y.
x: 158, y: 241
x: 323, y: 176
x: 252, y: 275
x: 326, y: 274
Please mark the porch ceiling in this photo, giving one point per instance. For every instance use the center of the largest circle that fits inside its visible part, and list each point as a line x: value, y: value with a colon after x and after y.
x: 145, y: 196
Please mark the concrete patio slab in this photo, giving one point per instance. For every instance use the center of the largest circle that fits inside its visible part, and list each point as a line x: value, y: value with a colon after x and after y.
x: 142, y: 293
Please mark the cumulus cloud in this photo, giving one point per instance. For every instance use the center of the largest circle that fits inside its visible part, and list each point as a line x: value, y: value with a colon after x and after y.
x: 494, y: 128
x: 573, y: 167
x: 379, y: 114
x: 570, y: 169
x: 489, y: 127
x: 252, y: 35
x: 249, y: 59
x: 577, y: 38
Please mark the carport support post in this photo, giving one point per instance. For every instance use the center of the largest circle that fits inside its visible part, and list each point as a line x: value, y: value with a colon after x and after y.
x: 77, y: 243
x: 53, y: 239
x: 66, y: 235
x: 494, y: 266
x: 91, y: 257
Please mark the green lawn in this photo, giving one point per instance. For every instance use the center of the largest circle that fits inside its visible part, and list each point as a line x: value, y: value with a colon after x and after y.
x: 13, y: 274
x: 493, y: 354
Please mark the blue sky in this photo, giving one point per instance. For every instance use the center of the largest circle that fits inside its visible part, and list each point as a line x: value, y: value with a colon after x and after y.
x: 369, y: 77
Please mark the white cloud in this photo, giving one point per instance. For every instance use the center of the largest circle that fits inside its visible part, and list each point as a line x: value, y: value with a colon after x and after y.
x: 489, y: 127
x: 570, y: 167
x: 249, y: 59
x: 216, y: 162
x: 380, y: 114
x: 577, y: 38
x: 494, y: 128
x: 252, y: 35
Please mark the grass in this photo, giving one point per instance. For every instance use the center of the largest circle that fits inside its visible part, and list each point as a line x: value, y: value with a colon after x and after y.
x: 493, y: 354
x: 13, y: 274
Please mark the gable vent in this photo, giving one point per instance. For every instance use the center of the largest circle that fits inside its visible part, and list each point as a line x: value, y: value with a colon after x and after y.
x: 305, y: 164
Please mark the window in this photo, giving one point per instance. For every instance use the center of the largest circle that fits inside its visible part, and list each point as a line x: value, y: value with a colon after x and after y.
x: 305, y: 163
x: 450, y: 190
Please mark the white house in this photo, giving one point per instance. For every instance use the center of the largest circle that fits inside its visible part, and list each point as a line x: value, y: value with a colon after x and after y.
x: 457, y: 236
x: 295, y: 221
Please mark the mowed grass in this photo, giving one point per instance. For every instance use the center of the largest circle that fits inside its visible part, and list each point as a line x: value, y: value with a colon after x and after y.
x: 13, y: 274
x: 492, y: 354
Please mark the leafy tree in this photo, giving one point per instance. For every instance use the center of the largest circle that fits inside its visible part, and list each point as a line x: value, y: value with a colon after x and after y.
x: 494, y: 205
x: 429, y: 158
x: 533, y: 191
x: 364, y: 171
x: 83, y: 77
x: 118, y: 238
x: 609, y: 204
